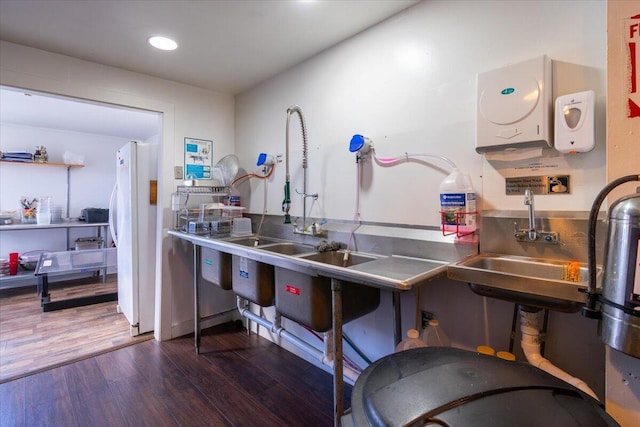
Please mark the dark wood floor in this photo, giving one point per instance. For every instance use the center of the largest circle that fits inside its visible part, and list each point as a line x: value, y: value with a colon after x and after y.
x: 237, y: 380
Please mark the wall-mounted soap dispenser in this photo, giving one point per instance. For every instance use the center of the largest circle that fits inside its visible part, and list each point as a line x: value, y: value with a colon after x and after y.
x: 575, y: 122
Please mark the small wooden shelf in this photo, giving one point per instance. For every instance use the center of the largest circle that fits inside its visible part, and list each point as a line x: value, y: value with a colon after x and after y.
x: 51, y: 164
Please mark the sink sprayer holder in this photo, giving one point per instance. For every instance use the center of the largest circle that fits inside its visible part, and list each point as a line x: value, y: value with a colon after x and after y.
x: 459, y: 217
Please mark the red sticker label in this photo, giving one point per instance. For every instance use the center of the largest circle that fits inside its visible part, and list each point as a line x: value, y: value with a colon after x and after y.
x: 633, y: 65
x: 292, y: 289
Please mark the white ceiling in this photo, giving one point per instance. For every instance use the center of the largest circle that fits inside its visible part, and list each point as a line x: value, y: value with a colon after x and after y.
x: 224, y: 45
x: 29, y: 108
x: 227, y: 46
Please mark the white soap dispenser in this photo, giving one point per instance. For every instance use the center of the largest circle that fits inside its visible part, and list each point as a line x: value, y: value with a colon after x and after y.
x: 575, y: 122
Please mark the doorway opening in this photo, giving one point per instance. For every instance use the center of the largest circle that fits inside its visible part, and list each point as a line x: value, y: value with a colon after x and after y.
x: 89, y: 132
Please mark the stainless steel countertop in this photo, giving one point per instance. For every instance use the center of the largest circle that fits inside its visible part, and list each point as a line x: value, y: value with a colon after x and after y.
x: 388, y: 272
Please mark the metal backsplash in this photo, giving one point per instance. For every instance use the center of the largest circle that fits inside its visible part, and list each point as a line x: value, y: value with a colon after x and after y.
x: 383, y: 239
x: 497, y: 234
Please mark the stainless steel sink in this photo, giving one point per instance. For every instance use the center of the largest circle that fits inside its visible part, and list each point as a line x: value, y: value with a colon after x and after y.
x: 288, y: 248
x: 337, y: 258
x: 251, y: 241
x: 216, y: 266
x: 531, y: 281
x: 307, y: 299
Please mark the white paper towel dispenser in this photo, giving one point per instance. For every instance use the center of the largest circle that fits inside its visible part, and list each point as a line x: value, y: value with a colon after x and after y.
x: 515, y: 107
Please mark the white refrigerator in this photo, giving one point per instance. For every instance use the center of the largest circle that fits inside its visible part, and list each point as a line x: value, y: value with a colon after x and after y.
x: 133, y: 221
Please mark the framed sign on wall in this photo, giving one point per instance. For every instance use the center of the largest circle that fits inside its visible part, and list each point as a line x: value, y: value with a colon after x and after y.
x: 198, y: 158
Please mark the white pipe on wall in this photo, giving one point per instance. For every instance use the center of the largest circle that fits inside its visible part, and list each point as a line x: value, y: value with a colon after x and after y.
x: 323, y: 357
x: 530, y: 342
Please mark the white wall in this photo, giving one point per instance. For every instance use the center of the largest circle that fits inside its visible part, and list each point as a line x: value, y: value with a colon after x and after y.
x: 409, y: 84
x: 88, y: 187
x: 187, y: 112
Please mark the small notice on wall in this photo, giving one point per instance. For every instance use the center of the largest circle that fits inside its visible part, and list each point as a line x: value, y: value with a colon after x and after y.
x: 198, y: 158
x: 558, y: 184
x: 633, y: 69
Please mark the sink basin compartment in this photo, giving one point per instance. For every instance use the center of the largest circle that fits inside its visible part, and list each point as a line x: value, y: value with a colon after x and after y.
x: 337, y: 258
x: 307, y: 299
x: 521, y: 266
x: 253, y: 280
x: 532, y: 281
x: 288, y: 248
x: 215, y: 267
x: 250, y: 241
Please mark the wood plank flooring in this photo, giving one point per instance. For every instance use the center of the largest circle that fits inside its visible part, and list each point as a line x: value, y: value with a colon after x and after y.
x: 237, y: 380
x: 31, y: 341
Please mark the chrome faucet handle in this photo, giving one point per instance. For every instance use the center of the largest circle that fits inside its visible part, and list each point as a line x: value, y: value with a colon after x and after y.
x: 314, y: 196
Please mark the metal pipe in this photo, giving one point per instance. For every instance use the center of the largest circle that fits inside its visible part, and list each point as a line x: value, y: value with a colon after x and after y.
x: 356, y: 349
x: 275, y: 328
x: 278, y: 330
x: 528, y: 201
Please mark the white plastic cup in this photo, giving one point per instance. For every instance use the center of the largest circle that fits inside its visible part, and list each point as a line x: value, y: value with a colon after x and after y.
x: 43, y: 218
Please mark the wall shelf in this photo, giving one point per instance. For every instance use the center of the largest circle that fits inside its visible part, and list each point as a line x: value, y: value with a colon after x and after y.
x: 50, y: 164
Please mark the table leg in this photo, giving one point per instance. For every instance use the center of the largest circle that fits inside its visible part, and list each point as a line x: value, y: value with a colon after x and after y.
x: 338, y: 384
x: 196, y: 296
x: 43, y: 289
x: 397, y: 318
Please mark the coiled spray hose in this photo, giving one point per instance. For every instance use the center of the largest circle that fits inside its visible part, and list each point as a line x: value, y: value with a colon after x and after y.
x: 286, y: 203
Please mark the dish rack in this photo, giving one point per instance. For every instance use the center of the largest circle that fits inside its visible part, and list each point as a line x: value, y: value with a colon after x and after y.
x: 204, y: 210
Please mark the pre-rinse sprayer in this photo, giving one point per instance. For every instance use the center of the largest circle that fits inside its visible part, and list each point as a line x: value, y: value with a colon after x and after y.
x: 286, y: 203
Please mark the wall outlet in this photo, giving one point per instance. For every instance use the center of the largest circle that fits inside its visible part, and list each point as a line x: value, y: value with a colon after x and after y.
x: 426, y: 316
x: 178, y: 172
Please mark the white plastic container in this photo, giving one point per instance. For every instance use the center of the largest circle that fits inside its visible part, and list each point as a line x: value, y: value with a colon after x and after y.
x: 412, y: 341
x: 458, y: 204
x: 241, y: 227
x: 43, y: 211
x: 434, y: 336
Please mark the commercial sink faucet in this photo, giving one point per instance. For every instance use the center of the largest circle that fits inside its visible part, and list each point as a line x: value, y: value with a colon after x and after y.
x: 528, y: 201
x: 530, y: 234
x: 314, y: 230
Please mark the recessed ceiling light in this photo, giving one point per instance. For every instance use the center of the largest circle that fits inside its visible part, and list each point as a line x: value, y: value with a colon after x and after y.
x: 163, y: 43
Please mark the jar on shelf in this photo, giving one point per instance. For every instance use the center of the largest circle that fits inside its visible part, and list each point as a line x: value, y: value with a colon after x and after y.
x: 41, y: 156
x: 28, y: 210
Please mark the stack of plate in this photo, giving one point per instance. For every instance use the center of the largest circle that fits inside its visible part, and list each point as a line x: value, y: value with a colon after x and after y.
x: 4, y: 267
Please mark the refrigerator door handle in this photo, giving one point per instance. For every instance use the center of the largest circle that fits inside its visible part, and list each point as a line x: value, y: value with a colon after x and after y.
x: 112, y: 214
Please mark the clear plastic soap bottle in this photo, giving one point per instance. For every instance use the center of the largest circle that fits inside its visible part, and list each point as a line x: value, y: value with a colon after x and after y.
x: 434, y: 336
x: 411, y: 341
